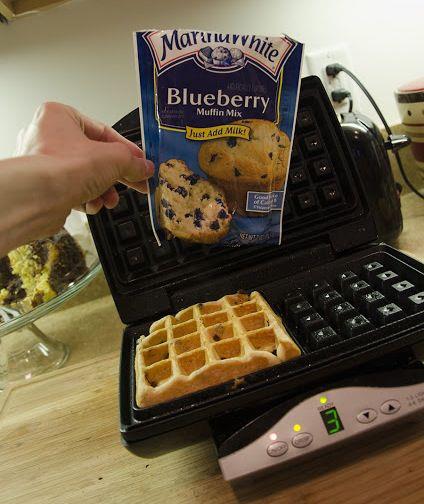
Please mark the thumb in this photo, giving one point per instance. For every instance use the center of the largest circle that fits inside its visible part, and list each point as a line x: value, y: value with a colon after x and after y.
x: 126, y: 166
x: 115, y: 162
x: 106, y: 164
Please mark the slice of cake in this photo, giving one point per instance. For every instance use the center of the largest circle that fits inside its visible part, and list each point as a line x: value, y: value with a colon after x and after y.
x: 11, y: 289
x: 190, y: 207
x: 37, y: 272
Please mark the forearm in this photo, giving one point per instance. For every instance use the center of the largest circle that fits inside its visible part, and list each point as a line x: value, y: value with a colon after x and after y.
x: 27, y: 209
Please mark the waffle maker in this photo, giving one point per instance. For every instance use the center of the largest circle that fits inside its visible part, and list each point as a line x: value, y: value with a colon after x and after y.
x: 354, y: 306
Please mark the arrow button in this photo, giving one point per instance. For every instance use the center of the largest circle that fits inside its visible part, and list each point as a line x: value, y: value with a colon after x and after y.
x: 390, y: 407
x: 366, y: 416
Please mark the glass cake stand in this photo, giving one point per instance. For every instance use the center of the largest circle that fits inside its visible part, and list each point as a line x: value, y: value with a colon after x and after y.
x: 25, y: 350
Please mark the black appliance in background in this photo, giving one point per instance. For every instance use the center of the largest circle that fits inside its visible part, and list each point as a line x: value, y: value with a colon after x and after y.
x: 370, y: 153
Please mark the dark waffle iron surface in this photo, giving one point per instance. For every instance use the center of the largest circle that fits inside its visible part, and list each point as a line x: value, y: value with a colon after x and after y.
x: 343, y: 300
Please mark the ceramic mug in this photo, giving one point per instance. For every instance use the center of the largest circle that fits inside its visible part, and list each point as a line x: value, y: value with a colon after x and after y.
x: 410, y: 100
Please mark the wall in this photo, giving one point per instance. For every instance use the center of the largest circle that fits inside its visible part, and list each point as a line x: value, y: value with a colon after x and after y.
x: 81, y: 53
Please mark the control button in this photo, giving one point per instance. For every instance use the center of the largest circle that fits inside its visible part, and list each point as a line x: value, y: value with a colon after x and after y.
x: 390, y: 407
x: 367, y: 416
x: 302, y: 440
x: 277, y: 449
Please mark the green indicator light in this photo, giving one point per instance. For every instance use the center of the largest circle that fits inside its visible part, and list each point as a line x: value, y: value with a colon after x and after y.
x: 332, y: 421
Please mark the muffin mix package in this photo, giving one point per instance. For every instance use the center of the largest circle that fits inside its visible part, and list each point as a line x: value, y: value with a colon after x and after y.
x: 217, y: 115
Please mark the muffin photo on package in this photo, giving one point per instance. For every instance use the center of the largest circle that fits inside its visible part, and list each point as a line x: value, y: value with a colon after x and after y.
x: 217, y: 113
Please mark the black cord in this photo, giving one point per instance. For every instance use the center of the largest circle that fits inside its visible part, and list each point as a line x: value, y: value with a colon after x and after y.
x: 405, y: 178
x: 339, y: 95
x: 370, y: 98
x: 333, y: 70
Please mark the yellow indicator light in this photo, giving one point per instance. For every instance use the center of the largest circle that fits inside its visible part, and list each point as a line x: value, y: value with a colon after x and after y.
x: 297, y: 427
x: 323, y: 400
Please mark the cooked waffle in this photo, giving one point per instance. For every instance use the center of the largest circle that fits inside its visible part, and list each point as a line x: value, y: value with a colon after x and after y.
x: 207, y: 344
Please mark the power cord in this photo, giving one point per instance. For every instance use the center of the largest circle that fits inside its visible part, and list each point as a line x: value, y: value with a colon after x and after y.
x: 340, y: 95
x: 333, y: 70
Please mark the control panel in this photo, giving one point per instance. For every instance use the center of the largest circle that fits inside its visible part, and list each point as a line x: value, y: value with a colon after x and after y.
x: 322, y: 420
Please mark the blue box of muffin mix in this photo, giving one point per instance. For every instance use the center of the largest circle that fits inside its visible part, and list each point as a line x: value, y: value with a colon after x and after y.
x: 217, y: 114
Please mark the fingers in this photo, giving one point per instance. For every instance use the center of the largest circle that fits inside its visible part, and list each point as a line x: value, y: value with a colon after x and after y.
x: 81, y: 208
x: 56, y: 118
x: 128, y: 161
x: 100, y: 132
x: 122, y: 165
x: 141, y: 169
x: 94, y: 206
x: 90, y: 156
x: 110, y: 198
x: 93, y: 130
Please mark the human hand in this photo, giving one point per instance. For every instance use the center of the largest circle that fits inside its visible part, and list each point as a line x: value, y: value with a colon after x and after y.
x: 84, y: 158
x: 64, y: 160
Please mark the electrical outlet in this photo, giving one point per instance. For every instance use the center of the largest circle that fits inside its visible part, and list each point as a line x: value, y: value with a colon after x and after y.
x: 316, y: 61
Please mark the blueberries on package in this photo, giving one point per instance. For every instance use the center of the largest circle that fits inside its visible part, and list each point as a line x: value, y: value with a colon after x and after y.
x: 217, y: 112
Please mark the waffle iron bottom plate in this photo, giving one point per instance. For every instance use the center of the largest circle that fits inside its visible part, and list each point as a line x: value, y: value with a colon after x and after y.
x: 361, y: 307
